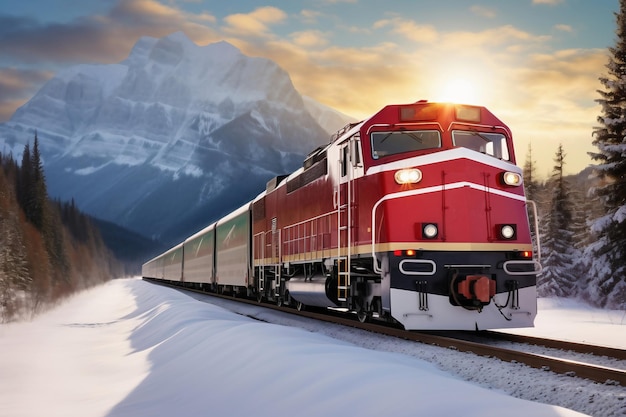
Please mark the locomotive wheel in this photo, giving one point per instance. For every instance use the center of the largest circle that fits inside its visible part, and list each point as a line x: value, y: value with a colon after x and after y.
x: 259, y: 297
x: 279, y: 302
x: 299, y: 306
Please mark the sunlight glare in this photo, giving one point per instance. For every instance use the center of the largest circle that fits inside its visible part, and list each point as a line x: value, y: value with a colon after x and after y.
x: 459, y: 90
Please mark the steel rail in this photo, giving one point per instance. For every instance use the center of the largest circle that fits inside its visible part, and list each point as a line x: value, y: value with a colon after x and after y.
x: 610, y: 352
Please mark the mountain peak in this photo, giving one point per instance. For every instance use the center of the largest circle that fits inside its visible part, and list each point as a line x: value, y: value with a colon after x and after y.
x: 174, y: 118
x: 179, y: 37
x: 224, y: 47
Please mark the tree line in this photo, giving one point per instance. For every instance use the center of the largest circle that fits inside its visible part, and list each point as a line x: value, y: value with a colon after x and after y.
x: 48, y: 248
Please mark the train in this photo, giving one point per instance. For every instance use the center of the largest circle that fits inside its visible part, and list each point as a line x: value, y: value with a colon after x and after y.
x: 416, y: 215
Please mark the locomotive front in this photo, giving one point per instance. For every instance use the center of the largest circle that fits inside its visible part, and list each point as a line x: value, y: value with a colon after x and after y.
x: 447, y: 218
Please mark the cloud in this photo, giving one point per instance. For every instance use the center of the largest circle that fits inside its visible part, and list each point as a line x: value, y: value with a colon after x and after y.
x: 551, y: 100
x: 502, y: 36
x: 569, y: 75
x: 14, y: 81
x: 507, y: 35
x: 311, y: 38
x: 483, y: 11
x: 310, y: 16
x: 104, y: 38
x: 548, y: 2
x: 16, y: 86
x: 8, y: 107
x: 564, y: 28
x: 409, y: 29
x: 99, y: 38
x: 255, y: 23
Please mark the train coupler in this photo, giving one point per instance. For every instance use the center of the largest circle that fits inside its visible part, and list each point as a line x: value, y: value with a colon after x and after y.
x: 477, y: 287
x: 472, y: 291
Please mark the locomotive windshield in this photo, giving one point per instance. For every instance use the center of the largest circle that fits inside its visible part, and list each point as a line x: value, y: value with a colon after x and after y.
x: 391, y: 143
x: 493, y: 144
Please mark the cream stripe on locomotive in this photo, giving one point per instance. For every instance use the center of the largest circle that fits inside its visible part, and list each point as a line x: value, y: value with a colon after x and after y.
x: 390, y: 247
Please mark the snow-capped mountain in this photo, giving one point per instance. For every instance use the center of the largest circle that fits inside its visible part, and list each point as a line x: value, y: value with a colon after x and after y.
x: 171, y: 137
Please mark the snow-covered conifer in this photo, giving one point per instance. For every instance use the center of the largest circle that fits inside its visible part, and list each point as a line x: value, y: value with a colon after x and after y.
x: 608, y: 252
x: 531, y: 184
x: 559, y: 276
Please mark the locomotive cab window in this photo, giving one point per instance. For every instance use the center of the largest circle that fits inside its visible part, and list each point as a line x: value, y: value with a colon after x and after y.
x: 402, y: 141
x: 493, y: 144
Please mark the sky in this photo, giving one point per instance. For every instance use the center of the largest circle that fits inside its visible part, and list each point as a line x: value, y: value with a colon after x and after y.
x: 534, y: 63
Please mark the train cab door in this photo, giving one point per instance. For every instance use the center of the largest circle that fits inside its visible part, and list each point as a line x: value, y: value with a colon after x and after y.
x: 346, y: 198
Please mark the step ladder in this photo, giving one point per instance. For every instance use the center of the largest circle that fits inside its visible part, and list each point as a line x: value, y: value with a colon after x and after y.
x: 344, y: 238
x: 343, y: 252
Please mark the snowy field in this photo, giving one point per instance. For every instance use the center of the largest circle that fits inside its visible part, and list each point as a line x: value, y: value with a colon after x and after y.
x: 131, y: 348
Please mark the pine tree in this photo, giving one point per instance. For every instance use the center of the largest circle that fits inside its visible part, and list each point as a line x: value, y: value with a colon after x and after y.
x: 559, y: 275
x: 23, y: 181
x: 531, y: 185
x: 533, y: 190
x: 39, y: 192
x: 31, y: 187
x: 608, y: 269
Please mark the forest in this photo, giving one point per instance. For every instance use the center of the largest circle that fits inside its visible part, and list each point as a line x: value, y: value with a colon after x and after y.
x: 48, y: 249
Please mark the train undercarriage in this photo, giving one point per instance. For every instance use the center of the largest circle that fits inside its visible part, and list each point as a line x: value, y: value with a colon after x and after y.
x: 411, y: 292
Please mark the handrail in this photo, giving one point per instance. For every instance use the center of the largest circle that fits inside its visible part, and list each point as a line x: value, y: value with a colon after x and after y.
x: 536, y: 218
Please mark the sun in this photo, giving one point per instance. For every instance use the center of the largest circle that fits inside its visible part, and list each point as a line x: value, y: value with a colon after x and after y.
x: 459, y: 90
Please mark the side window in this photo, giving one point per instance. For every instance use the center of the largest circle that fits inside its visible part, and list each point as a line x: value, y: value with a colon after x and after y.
x: 345, y: 160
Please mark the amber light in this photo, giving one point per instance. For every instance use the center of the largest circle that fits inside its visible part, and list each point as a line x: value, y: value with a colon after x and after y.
x: 408, y: 252
x: 468, y: 113
x: 526, y: 254
x: 419, y: 112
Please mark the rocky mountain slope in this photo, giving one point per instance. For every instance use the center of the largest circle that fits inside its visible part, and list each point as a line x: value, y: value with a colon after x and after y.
x: 170, y: 138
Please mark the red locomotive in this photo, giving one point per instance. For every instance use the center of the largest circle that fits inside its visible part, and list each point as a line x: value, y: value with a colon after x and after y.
x: 415, y: 215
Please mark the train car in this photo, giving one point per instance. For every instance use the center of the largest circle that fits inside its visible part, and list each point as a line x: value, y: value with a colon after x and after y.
x: 167, y: 267
x: 233, y: 248
x: 153, y: 268
x: 416, y: 215
x: 199, y: 259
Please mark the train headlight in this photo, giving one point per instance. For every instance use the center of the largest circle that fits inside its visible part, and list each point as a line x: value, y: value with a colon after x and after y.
x: 507, y: 231
x: 408, y: 176
x: 429, y: 230
x: 512, y: 178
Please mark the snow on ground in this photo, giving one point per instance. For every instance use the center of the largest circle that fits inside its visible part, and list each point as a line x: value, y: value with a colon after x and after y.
x: 131, y: 348
x: 572, y: 320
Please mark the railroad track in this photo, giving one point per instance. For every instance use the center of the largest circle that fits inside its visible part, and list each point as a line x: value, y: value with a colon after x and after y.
x: 477, y: 343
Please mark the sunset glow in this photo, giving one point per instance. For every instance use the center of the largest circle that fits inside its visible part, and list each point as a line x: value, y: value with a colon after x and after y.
x: 459, y: 91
